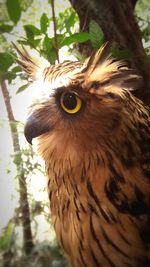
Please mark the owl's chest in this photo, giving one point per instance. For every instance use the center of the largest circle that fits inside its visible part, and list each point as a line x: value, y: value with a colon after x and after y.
x: 90, y: 235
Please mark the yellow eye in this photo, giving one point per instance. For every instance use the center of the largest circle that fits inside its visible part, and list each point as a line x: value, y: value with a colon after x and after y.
x: 70, y: 102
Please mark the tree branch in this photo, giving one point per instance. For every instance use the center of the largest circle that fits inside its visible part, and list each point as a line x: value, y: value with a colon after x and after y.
x: 55, y: 30
x: 24, y: 204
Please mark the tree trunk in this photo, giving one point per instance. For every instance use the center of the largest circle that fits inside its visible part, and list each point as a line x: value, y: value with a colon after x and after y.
x: 118, y: 23
x: 24, y: 204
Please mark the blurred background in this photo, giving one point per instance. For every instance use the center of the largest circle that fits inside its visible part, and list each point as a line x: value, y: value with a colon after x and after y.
x: 56, y: 30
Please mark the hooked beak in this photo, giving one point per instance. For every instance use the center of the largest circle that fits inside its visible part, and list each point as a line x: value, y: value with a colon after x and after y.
x: 34, y: 128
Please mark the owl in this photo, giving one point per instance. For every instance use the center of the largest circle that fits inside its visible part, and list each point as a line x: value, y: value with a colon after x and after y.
x: 94, y: 137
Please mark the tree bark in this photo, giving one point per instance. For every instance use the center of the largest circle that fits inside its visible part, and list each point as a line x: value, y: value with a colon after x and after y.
x: 24, y: 204
x: 119, y: 25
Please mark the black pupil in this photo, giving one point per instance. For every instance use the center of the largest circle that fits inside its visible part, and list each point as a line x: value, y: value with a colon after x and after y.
x: 70, y: 101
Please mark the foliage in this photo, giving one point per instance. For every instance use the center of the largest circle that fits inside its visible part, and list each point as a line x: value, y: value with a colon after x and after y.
x: 41, y: 38
x: 7, y: 238
x: 143, y: 18
x: 6, y: 61
x: 96, y: 34
x: 11, y: 7
x: 44, y: 254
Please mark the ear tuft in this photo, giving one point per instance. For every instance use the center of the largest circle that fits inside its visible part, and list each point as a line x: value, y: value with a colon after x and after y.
x: 108, y: 72
x: 98, y: 57
x: 34, y: 67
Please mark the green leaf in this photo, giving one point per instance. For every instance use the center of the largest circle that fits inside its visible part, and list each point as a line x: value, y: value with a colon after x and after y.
x: 44, y: 22
x: 23, y: 42
x: 96, y: 34
x: 17, y: 156
x: 121, y: 54
x: 50, y: 54
x: 47, y: 43
x: 22, y: 88
x: 9, y: 76
x: 31, y: 30
x: 48, y: 50
x: 6, y: 60
x: 16, y: 69
x: 35, y: 43
x: 7, y: 237
x: 14, y: 10
x: 66, y: 20
x: 75, y: 38
x: 71, y: 20
x: 25, y: 4
x: 6, y: 28
x: 77, y: 54
x: 29, y: 33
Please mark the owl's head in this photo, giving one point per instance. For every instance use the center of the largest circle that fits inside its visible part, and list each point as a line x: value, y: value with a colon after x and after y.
x: 82, y: 105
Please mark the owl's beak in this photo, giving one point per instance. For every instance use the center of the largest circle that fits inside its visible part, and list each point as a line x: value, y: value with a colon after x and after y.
x: 34, y: 128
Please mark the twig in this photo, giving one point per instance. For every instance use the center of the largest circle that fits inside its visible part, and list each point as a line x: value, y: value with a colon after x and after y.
x: 55, y: 30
